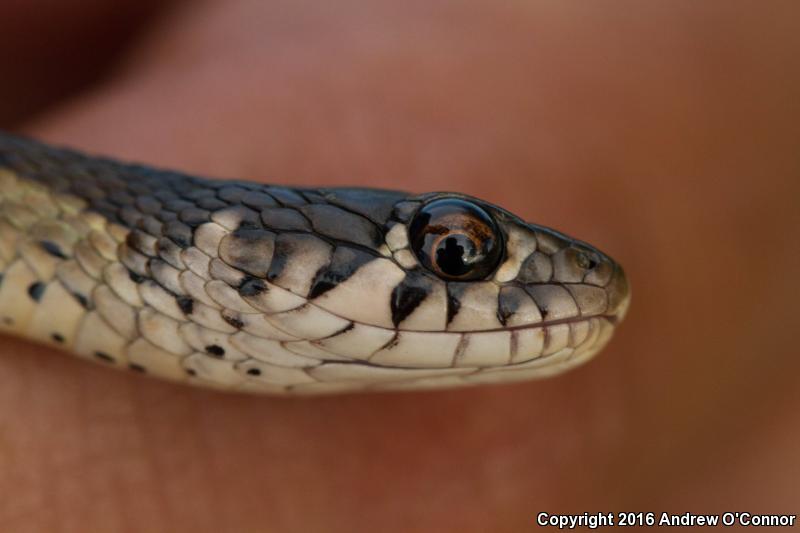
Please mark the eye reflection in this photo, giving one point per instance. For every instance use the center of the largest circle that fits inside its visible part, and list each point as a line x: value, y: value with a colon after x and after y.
x: 456, y: 239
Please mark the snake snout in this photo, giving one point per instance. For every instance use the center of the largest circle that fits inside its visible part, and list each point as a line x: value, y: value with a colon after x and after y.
x: 600, y: 269
x: 619, y: 293
x: 603, y: 270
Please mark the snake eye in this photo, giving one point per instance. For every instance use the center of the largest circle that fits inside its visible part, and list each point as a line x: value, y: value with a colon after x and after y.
x: 456, y: 239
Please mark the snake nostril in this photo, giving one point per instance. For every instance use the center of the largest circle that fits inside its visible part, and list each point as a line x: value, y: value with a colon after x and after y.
x: 586, y: 262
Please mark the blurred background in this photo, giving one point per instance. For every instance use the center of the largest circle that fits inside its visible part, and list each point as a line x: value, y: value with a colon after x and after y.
x: 665, y: 132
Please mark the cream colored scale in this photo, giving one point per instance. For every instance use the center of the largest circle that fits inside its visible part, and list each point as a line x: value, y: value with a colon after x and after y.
x: 37, y: 294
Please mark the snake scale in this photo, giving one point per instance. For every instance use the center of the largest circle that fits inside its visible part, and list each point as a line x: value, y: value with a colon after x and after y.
x: 250, y: 287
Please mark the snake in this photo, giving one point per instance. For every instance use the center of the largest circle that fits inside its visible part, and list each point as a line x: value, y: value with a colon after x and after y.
x: 243, y: 286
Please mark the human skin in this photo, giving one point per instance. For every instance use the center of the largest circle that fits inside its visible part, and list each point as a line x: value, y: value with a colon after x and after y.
x: 664, y: 133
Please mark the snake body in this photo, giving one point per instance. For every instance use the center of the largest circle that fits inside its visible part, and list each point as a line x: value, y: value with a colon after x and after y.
x: 251, y: 287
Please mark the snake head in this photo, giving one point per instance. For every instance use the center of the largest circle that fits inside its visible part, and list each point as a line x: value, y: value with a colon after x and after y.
x: 246, y: 286
x: 463, y: 291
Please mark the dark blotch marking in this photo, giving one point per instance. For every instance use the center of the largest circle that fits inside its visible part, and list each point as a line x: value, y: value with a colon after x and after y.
x: 344, y: 264
x: 288, y: 245
x: 249, y: 224
x: 279, y: 259
x: 408, y: 294
x: 544, y: 310
x: 345, y: 329
x: 252, y: 287
x: 248, y: 219
x: 136, y: 278
x: 36, y: 290
x: 53, y: 249
x: 186, y: 304
x: 502, y: 316
x: 137, y: 368
x: 454, y: 293
x: 81, y: 300
x: 8, y: 321
x: 320, y: 287
x: 254, y: 371
x: 59, y: 338
x: 233, y: 321
x: 541, y: 305
x: 453, y: 306
x: 509, y: 300
x: 191, y: 371
x: 215, y: 350
x: 1, y: 279
x: 249, y: 250
x: 104, y: 357
x: 166, y: 248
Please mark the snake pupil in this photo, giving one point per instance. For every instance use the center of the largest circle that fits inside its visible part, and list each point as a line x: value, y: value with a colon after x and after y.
x: 456, y: 239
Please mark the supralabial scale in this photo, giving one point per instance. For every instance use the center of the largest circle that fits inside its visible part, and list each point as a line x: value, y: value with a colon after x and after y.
x: 260, y: 288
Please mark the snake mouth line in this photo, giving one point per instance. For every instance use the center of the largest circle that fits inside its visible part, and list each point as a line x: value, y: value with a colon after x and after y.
x: 611, y: 319
x: 570, y: 320
x: 361, y: 362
